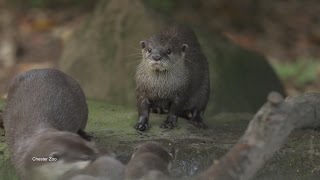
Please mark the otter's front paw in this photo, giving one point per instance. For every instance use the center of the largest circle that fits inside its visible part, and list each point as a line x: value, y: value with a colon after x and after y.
x: 170, y: 122
x: 141, y: 126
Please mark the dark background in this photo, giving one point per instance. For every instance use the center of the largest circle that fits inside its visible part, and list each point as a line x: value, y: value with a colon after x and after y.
x: 33, y: 33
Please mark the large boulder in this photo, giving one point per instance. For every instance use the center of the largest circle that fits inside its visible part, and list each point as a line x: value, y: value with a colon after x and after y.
x: 104, y: 52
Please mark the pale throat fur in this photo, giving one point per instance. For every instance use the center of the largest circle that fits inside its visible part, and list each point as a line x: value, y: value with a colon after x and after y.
x: 162, y: 84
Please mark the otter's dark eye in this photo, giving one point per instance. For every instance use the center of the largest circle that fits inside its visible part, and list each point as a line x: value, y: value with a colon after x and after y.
x: 149, y: 50
x: 169, y: 51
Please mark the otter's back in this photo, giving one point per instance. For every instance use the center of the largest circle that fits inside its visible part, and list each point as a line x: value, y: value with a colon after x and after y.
x: 43, y: 98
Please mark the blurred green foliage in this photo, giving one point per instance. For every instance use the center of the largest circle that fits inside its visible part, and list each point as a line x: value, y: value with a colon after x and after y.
x: 52, y: 4
x: 164, y: 6
x: 300, y: 73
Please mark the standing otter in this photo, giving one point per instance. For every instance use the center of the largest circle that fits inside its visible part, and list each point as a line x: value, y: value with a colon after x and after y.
x: 44, y: 109
x: 148, y: 160
x: 172, y: 77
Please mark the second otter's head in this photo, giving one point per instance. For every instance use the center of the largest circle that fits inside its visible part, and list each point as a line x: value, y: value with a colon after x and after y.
x: 55, y: 153
x: 163, y: 52
x: 154, y: 148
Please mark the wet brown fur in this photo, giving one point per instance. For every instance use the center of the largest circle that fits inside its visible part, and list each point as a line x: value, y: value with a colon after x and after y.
x: 44, y: 110
x: 147, y: 158
x: 180, y: 86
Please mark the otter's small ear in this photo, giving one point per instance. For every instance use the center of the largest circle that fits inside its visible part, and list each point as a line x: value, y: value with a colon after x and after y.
x: 184, y: 47
x: 143, y: 44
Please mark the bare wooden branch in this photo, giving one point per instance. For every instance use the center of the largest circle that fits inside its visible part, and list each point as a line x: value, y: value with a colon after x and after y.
x: 265, y: 134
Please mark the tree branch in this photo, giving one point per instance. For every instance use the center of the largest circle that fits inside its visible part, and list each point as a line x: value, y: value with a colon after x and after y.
x: 266, y: 133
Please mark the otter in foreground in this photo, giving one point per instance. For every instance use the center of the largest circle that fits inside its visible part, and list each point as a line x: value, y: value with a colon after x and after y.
x: 49, y: 154
x: 43, y: 111
x: 86, y: 177
x: 104, y: 167
x: 173, y: 78
x: 149, y: 161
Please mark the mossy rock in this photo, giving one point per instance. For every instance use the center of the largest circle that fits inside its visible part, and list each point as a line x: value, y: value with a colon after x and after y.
x: 194, y: 149
x: 103, y: 54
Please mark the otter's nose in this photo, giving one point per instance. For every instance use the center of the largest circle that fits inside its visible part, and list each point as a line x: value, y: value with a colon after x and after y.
x: 156, y: 57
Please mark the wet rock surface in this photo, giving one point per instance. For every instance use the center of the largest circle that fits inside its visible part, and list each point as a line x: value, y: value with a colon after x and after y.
x: 193, y: 149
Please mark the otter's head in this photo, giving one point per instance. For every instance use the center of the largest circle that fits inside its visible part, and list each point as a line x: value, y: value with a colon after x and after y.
x: 163, y: 52
x: 154, y: 148
x: 56, y: 153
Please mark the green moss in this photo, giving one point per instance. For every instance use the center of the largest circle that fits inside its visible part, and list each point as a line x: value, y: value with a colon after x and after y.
x: 194, y: 149
x: 110, y: 119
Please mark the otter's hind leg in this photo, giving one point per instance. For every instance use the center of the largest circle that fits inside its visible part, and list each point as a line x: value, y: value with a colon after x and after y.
x: 170, y: 122
x: 197, y: 119
x: 173, y: 113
